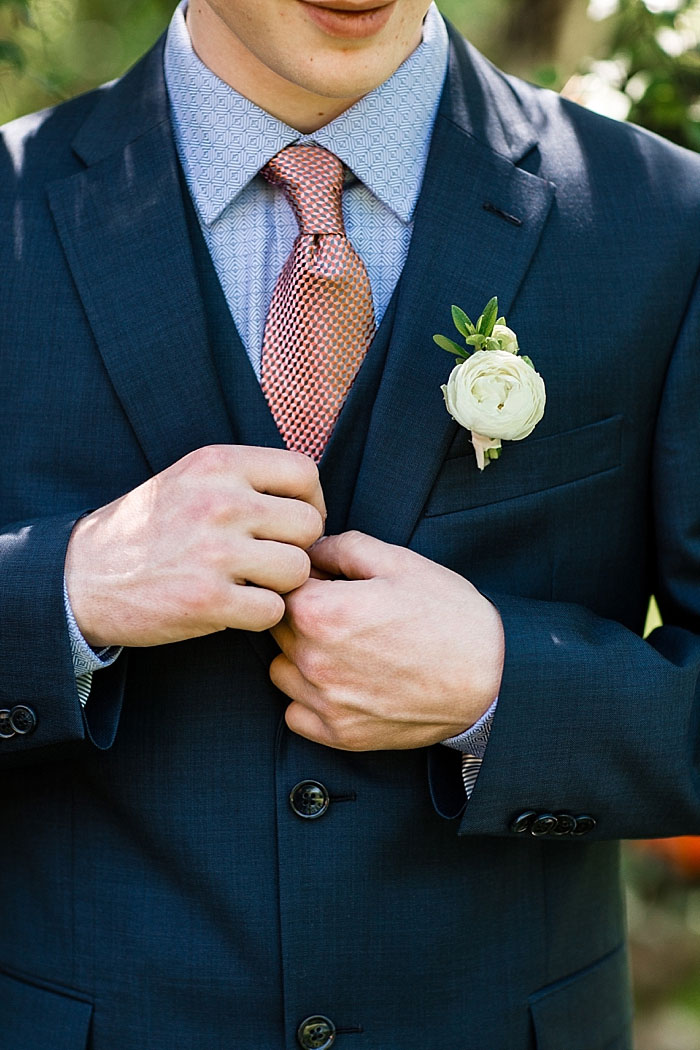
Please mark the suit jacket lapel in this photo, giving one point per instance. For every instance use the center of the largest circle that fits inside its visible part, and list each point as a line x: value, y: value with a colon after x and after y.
x: 477, y: 224
x: 123, y: 229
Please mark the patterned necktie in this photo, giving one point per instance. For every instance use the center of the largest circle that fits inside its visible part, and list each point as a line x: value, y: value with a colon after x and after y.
x: 321, y: 318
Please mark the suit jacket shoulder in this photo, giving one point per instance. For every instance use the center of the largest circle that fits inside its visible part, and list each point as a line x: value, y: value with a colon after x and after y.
x: 593, y: 161
x: 58, y: 141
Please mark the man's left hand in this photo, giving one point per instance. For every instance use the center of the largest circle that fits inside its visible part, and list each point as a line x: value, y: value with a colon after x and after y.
x: 400, y: 653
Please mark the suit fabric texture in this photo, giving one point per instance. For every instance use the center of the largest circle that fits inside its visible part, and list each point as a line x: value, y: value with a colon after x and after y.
x: 156, y: 887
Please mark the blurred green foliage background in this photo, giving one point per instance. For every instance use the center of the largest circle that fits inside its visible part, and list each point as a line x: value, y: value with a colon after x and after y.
x: 636, y: 59
x: 629, y: 59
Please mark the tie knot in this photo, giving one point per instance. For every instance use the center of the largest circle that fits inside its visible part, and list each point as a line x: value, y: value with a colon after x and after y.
x: 312, y: 180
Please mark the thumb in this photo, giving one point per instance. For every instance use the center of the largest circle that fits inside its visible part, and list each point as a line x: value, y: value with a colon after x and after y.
x: 357, y: 556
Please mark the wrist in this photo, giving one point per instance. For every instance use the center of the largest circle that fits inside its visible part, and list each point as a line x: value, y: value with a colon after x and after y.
x: 76, y: 592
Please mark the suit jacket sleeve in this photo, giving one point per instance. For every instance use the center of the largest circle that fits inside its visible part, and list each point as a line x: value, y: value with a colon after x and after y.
x: 36, y: 665
x: 591, y: 718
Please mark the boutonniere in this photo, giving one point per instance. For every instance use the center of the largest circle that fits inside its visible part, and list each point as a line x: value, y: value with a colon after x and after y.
x: 493, y: 390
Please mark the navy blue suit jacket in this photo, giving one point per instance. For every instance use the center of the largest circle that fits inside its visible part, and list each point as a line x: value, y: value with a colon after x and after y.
x: 156, y: 888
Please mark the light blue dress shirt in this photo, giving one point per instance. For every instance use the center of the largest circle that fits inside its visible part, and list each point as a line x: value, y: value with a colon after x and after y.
x: 224, y: 139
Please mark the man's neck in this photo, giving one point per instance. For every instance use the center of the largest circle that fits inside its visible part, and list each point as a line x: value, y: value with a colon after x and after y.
x: 233, y: 63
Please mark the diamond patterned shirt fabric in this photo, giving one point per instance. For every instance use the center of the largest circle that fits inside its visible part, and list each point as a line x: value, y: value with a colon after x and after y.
x: 224, y: 141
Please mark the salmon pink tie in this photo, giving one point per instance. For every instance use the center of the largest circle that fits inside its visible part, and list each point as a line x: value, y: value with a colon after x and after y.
x: 321, y: 318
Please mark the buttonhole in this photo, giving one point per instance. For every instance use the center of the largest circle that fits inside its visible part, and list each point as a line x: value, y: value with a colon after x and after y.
x: 353, y: 1030
x: 352, y: 797
x: 512, y: 219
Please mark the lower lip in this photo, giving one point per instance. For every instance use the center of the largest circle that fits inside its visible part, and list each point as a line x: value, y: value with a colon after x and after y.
x: 352, y: 25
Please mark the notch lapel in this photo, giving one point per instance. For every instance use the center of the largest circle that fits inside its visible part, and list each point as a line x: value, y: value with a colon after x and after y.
x: 461, y: 252
x: 123, y: 229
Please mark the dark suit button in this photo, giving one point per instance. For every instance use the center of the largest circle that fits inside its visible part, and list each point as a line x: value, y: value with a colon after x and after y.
x: 565, y: 824
x: 316, y: 1033
x: 6, y: 729
x: 23, y: 720
x: 309, y: 800
x: 584, y: 825
x: 523, y: 823
x: 544, y: 825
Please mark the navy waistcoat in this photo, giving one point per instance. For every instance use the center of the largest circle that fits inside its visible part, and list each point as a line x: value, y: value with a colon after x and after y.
x: 251, y: 419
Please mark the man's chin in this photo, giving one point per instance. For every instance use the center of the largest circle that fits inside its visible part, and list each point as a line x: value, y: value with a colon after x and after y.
x: 343, y: 77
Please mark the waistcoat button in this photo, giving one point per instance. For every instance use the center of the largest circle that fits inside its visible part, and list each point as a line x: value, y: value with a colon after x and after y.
x: 316, y: 1033
x: 309, y: 799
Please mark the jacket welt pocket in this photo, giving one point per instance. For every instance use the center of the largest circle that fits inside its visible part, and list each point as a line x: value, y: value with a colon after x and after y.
x: 589, y: 1010
x: 34, y: 1017
x: 527, y: 467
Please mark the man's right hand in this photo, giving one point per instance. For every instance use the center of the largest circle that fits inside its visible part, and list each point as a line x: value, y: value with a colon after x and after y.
x: 173, y: 558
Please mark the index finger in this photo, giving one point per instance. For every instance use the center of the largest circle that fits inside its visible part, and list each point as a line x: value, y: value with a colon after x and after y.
x: 279, y: 472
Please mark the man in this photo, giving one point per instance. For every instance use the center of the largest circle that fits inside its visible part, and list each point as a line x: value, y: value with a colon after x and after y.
x: 235, y: 832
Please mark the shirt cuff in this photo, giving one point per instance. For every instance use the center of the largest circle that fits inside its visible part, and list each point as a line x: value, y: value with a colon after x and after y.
x: 85, y: 658
x: 474, y: 740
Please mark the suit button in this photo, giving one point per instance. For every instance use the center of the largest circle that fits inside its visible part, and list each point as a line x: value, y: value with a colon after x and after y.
x: 523, y: 823
x: 23, y: 720
x: 584, y: 825
x: 309, y: 799
x: 544, y: 825
x: 565, y: 824
x: 316, y: 1033
x: 6, y: 730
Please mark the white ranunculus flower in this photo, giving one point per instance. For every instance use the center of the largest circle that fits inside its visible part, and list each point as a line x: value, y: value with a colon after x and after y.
x: 496, y: 395
x: 506, y: 337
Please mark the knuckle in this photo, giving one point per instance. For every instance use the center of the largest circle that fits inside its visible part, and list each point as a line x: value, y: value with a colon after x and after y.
x: 297, y: 569
x: 274, y: 611
x: 345, y: 734
x: 354, y: 739
x: 305, y: 467
x: 313, y: 524
x: 209, y: 553
x: 313, y: 665
x: 246, y: 507
x: 268, y: 613
x: 349, y: 540
x: 304, y: 524
x: 308, y: 614
x: 203, y: 598
x: 209, y: 506
x: 210, y: 459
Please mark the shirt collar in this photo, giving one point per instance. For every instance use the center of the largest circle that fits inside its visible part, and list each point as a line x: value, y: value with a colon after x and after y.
x: 224, y: 139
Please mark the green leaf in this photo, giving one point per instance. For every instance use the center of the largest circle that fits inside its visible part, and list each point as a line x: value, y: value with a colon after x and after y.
x: 488, y: 318
x: 527, y: 360
x: 501, y: 320
x: 20, y: 9
x: 462, y: 322
x: 452, y: 348
x: 476, y: 340
x: 11, y: 55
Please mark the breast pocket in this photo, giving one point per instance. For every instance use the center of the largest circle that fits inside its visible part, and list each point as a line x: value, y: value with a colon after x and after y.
x: 527, y: 467
x: 590, y: 1010
x: 37, y: 1018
